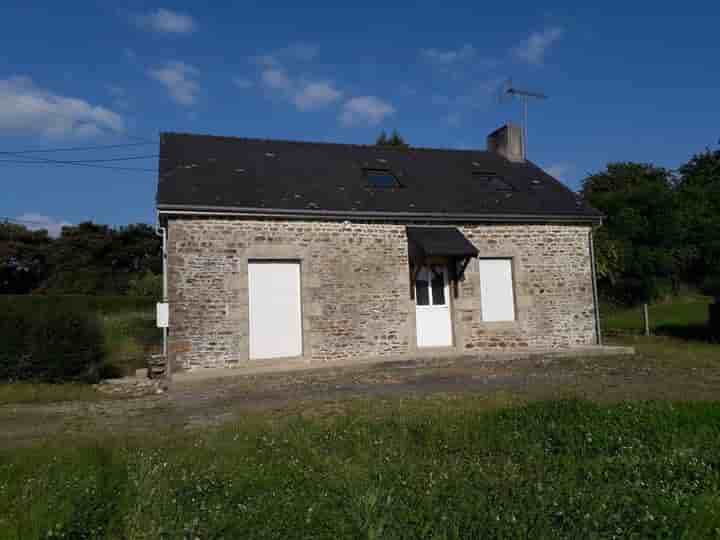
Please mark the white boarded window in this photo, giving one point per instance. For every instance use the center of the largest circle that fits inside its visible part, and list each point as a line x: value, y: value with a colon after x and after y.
x: 497, y: 300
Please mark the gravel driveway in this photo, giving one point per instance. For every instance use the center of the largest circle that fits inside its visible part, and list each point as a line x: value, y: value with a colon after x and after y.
x: 217, y: 401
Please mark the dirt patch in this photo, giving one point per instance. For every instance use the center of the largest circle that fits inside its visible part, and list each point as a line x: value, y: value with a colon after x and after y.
x: 218, y: 401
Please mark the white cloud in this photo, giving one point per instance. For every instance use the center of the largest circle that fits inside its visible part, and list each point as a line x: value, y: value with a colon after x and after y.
x: 37, y: 222
x: 448, y: 57
x: 561, y: 171
x: 166, y: 22
x: 368, y: 110
x: 26, y: 109
x: 305, y: 95
x: 533, y: 49
x: 243, y: 83
x: 180, y: 81
x: 315, y: 95
x: 276, y: 79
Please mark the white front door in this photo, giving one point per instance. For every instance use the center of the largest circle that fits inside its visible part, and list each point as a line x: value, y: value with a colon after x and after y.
x: 275, y: 312
x: 432, y: 307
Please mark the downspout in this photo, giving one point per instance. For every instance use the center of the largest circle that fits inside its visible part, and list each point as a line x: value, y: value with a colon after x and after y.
x: 162, y: 232
x: 593, y: 271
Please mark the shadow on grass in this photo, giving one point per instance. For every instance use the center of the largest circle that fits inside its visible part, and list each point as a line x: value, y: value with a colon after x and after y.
x: 688, y: 332
x: 691, y: 333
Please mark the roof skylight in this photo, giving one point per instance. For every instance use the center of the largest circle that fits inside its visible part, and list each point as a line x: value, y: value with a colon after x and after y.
x: 381, y: 178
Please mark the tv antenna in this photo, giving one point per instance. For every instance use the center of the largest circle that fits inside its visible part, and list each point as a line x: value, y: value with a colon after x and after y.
x: 508, y: 92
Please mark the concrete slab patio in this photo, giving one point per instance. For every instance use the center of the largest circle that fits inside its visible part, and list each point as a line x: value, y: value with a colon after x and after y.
x: 260, y: 367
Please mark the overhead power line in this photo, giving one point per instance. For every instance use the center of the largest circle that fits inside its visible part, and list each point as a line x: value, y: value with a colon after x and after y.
x: 78, y: 148
x: 136, y: 138
x: 87, y: 165
x: 74, y: 161
x: 48, y: 161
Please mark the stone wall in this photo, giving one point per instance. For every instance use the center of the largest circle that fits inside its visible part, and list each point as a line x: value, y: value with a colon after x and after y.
x: 553, y: 288
x: 355, y: 288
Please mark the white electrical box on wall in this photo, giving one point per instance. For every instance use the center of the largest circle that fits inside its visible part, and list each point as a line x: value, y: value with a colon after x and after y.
x: 163, y: 315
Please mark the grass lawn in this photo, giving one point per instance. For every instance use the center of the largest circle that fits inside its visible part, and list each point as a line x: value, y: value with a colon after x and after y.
x: 683, y: 317
x: 24, y: 392
x: 412, y: 469
x: 668, y: 351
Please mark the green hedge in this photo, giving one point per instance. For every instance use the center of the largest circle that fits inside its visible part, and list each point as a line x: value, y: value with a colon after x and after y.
x: 102, y: 305
x: 53, y: 339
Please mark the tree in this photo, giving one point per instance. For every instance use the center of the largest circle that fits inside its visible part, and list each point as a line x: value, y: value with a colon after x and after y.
x: 23, y: 258
x: 85, y: 259
x: 148, y: 285
x: 636, y: 247
x: 395, y: 139
x: 95, y: 259
x: 81, y: 261
x: 136, y: 249
x: 698, y: 194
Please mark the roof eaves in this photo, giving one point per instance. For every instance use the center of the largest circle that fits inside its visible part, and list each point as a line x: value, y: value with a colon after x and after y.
x: 569, y: 218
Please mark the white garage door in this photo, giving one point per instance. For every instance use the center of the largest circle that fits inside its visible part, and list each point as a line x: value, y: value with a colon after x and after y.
x: 496, y: 290
x: 275, y: 327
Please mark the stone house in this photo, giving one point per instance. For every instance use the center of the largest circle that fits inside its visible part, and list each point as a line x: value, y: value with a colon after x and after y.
x: 320, y: 252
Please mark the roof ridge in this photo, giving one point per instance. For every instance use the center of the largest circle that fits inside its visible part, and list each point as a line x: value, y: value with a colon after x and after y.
x: 352, y: 145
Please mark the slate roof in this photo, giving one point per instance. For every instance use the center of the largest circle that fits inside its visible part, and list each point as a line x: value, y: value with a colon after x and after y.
x: 275, y: 177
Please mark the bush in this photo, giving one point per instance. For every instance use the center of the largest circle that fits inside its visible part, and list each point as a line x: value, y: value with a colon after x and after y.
x: 55, y: 340
x: 147, y: 286
x: 711, y: 286
x: 101, y: 305
x: 129, y: 337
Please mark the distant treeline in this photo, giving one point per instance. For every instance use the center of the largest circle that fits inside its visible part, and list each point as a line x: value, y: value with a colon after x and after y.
x: 87, y: 259
x: 661, y: 230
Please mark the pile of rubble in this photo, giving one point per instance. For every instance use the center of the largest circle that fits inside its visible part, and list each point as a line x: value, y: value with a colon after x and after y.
x: 137, y: 386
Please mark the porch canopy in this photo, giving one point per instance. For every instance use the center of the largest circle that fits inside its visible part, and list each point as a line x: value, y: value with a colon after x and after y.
x: 426, y: 244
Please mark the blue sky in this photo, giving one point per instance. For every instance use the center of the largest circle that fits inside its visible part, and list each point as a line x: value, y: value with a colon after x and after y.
x: 628, y: 81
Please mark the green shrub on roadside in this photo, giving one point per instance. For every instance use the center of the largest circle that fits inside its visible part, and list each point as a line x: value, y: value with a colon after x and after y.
x: 52, y: 341
x: 102, y: 305
x: 126, y: 326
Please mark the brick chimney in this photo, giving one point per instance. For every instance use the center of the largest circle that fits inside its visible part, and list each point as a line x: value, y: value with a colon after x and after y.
x: 508, y: 142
